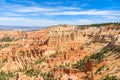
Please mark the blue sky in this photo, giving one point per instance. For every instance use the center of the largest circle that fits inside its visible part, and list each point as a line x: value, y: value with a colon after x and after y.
x: 52, y: 12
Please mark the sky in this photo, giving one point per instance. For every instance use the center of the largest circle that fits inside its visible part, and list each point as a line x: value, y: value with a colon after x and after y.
x: 53, y: 12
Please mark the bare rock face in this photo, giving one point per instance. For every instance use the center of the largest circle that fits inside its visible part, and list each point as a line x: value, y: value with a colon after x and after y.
x: 117, y: 42
x: 106, y: 34
x: 62, y: 33
x: 67, y: 77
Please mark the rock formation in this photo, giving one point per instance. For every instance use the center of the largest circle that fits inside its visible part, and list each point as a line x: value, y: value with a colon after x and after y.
x: 58, y: 52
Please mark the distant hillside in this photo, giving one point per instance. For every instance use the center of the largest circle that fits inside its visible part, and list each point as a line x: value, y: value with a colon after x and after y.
x: 23, y: 28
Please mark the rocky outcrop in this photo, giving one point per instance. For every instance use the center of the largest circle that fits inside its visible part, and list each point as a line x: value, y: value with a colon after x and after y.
x: 51, y: 52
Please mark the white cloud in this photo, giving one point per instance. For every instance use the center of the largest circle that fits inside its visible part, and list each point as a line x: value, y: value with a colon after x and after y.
x: 15, y: 15
x: 47, y: 22
x: 44, y: 22
x: 65, y: 11
x: 110, y: 17
x: 59, y: 10
x: 25, y: 21
x: 34, y: 9
x: 87, y: 12
x: 39, y: 22
x: 11, y: 14
x: 85, y: 21
x: 41, y: 9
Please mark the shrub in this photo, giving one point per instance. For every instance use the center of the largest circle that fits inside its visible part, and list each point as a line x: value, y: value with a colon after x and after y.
x: 32, y: 72
x: 46, y: 76
x: 5, y: 45
x: 99, y: 70
x: 4, y: 60
x: 40, y: 60
x: 110, y: 78
x: 66, y: 65
x: 80, y: 64
x: 101, y: 24
x: 6, y: 76
x: 6, y: 39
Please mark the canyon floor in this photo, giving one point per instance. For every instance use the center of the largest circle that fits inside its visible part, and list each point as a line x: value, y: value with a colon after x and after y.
x: 61, y: 52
